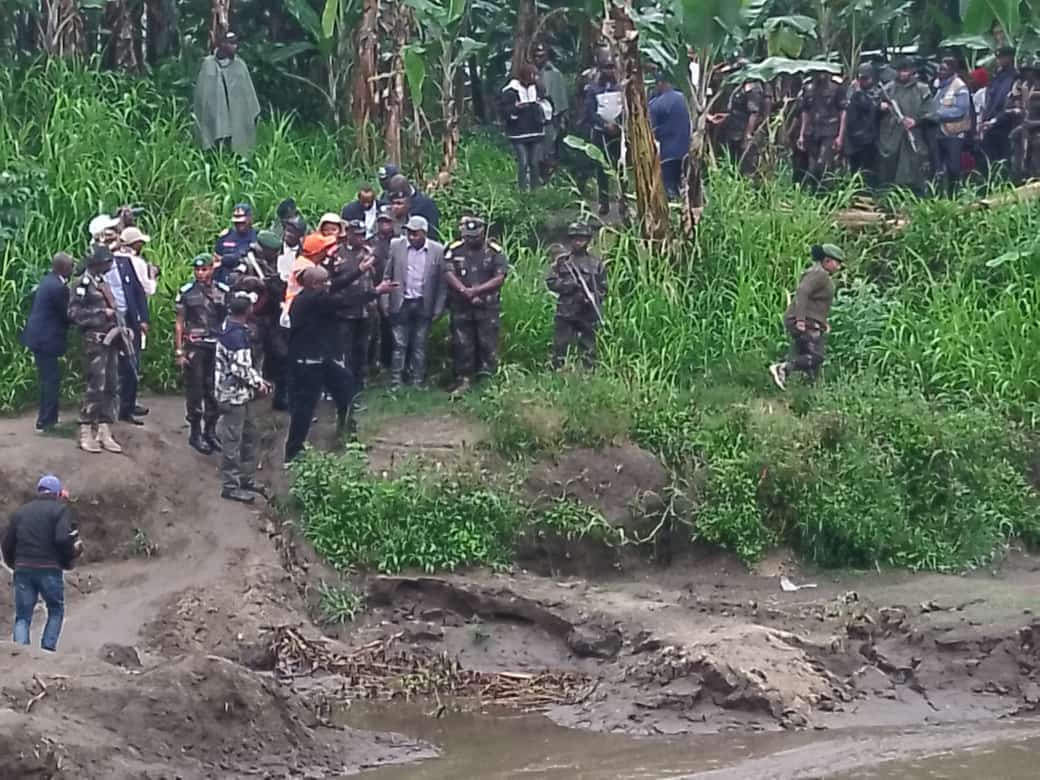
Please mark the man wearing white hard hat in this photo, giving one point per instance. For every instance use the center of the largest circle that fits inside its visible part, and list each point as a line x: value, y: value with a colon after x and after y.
x: 132, y: 242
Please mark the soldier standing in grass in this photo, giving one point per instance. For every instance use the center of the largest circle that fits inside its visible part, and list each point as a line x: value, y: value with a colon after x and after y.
x: 806, y: 319
x: 579, y: 280
x: 474, y: 271
x: 92, y: 307
x: 822, y: 133
x: 1024, y: 109
x: 200, y: 307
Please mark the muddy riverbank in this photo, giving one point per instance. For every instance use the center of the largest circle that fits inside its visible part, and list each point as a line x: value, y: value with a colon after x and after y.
x: 169, y: 666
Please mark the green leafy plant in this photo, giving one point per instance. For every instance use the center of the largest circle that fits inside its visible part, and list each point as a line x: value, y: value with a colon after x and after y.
x: 338, y: 605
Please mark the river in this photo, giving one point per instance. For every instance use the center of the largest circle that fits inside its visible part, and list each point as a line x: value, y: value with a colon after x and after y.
x: 531, y: 747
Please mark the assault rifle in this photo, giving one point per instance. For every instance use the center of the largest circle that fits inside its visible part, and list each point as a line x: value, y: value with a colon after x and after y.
x: 566, y: 259
x: 898, y: 113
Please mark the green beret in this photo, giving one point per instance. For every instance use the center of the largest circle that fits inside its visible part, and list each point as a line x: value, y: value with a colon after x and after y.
x: 268, y: 240
x: 833, y: 252
x: 201, y: 261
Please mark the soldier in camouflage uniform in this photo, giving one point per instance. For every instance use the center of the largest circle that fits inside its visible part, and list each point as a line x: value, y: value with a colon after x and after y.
x: 747, y: 110
x: 579, y: 280
x: 474, y: 271
x: 1024, y: 108
x: 822, y: 133
x: 93, y: 309
x: 200, y: 309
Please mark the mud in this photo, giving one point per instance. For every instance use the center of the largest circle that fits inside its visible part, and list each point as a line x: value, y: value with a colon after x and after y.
x: 166, y: 666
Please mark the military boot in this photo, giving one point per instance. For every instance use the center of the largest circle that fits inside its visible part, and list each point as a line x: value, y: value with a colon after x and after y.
x: 195, y: 439
x: 88, y: 439
x: 104, y: 436
x: 210, y: 437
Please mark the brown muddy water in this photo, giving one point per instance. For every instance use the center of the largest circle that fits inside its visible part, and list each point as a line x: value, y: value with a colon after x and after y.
x: 531, y: 747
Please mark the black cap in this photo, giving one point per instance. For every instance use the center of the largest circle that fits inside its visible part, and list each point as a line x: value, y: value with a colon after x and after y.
x: 579, y: 230
x: 472, y: 227
x: 355, y: 226
x: 297, y: 223
x: 1006, y: 51
x: 384, y: 214
x: 99, y: 253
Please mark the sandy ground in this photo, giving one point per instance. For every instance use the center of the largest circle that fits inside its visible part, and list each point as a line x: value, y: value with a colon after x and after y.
x: 165, y: 669
x: 164, y: 619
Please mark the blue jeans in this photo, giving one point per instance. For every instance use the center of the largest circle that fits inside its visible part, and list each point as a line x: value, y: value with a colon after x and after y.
x: 29, y: 586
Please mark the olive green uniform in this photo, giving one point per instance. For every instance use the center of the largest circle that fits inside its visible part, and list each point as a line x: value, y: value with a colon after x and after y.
x: 1025, y: 138
x: 203, y: 308
x: 475, y: 324
x: 577, y: 317
x: 822, y: 105
x: 747, y: 99
x: 812, y: 305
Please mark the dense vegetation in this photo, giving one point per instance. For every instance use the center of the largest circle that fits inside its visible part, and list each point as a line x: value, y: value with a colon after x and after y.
x: 914, y: 452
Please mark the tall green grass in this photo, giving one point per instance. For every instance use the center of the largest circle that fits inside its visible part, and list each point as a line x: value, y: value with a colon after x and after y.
x: 939, y: 320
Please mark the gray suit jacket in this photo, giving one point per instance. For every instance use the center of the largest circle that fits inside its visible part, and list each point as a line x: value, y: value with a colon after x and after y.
x: 435, y: 293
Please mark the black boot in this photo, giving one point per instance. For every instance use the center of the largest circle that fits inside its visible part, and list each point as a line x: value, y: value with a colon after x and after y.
x: 210, y: 437
x: 196, y: 440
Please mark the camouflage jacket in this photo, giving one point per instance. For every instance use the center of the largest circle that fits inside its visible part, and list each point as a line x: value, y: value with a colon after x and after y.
x: 89, y: 302
x: 563, y: 279
x: 474, y: 267
x: 203, y: 308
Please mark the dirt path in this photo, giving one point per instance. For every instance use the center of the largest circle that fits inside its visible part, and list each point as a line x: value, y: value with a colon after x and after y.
x: 175, y: 579
x: 164, y: 660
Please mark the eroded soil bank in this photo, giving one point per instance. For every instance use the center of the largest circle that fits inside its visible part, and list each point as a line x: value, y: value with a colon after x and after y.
x: 169, y: 667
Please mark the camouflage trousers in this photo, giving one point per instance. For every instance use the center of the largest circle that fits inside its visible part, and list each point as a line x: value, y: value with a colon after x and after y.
x: 101, y: 375
x: 579, y: 335
x: 820, y: 151
x: 474, y: 342
x: 1025, y: 154
x: 199, y: 398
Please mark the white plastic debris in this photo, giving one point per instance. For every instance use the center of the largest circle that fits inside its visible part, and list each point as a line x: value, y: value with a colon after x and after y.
x: 789, y: 587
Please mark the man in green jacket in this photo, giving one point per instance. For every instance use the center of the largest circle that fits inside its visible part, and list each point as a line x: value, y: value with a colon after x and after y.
x: 226, y: 107
x: 806, y: 318
x: 906, y: 106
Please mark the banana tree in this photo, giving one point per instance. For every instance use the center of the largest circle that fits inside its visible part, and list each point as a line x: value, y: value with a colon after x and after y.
x: 443, y: 23
x: 651, y: 202
x: 993, y: 23
x: 61, y: 28
x: 526, y: 20
x: 219, y: 20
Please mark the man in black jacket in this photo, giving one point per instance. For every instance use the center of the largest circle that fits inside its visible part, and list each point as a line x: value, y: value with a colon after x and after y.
x: 363, y: 209
x: 419, y: 204
x: 315, y: 361
x: 41, y: 541
x: 46, y: 334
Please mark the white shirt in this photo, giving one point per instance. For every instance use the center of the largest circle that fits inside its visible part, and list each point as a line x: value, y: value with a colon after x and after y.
x: 370, y: 220
x: 415, y: 271
x: 144, y: 273
x: 286, y: 260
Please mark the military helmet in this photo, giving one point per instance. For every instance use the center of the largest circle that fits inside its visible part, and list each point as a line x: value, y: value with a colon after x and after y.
x: 579, y: 230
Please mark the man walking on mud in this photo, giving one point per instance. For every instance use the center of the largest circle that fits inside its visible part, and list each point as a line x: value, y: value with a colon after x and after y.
x: 41, y: 541
x: 806, y: 319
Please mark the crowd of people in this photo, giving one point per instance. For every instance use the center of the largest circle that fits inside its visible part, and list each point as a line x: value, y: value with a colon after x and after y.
x: 899, y: 124
x: 292, y: 314
x: 903, y: 123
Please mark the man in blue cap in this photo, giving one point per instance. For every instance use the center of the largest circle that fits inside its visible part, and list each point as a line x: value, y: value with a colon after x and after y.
x: 41, y: 541
x: 233, y: 244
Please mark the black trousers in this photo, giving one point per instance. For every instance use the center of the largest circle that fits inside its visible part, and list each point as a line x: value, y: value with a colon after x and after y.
x: 307, y: 381
x: 864, y: 161
x: 128, y: 379
x: 355, y: 337
x: 50, y: 388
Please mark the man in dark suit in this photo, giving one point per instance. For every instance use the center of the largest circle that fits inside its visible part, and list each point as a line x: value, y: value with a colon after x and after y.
x: 45, y: 334
x: 415, y: 264
x: 363, y: 209
x: 131, y: 312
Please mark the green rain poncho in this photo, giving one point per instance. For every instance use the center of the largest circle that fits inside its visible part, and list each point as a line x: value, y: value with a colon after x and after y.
x: 226, y: 107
